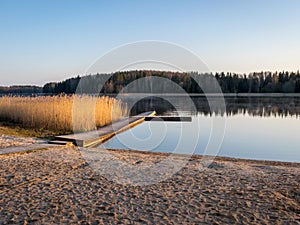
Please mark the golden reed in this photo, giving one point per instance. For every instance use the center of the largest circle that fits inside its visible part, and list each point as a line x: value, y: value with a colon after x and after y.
x: 56, y: 112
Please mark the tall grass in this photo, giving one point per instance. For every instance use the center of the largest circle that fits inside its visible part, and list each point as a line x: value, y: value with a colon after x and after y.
x: 62, y: 113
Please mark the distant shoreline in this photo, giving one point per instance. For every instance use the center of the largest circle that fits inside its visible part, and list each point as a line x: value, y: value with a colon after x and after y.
x: 169, y: 94
x: 212, y: 94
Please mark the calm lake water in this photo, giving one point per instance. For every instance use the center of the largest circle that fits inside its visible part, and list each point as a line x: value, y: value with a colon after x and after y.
x: 251, y: 128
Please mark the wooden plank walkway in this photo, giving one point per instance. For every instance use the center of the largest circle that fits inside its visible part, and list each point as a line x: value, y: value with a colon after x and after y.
x: 90, y: 139
x: 93, y: 138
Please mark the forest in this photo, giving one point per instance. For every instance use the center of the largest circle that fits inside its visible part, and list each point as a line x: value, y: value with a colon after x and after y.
x: 258, y: 82
x: 21, y: 89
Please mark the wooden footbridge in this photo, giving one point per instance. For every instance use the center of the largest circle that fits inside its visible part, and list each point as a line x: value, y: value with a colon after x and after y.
x: 94, y: 138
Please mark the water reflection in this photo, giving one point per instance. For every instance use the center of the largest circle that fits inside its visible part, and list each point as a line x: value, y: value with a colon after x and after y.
x: 253, y: 106
x: 256, y: 128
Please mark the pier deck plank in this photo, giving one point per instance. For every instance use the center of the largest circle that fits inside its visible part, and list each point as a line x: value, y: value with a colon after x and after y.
x: 91, y: 138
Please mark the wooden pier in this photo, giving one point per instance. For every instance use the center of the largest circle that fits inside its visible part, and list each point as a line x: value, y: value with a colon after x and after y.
x: 94, y: 138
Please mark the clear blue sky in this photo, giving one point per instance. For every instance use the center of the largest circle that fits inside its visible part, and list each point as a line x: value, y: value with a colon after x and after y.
x: 50, y: 40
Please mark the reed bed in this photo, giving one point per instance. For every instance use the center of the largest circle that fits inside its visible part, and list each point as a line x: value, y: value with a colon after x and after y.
x: 62, y: 113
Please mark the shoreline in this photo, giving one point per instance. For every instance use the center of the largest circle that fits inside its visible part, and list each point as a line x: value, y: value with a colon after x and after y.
x: 219, y: 158
x: 25, y: 142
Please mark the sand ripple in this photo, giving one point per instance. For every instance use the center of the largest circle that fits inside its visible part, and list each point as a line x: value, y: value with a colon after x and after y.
x: 58, y: 187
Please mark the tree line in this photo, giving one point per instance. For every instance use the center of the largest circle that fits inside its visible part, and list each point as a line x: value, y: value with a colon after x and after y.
x: 21, y: 89
x: 259, y: 82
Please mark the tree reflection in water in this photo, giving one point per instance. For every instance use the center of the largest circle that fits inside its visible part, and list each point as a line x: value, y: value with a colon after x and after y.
x: 253, y: 106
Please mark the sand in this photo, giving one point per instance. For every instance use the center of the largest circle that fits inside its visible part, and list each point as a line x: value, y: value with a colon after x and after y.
x: 58, y: 186
x: 11, y: 141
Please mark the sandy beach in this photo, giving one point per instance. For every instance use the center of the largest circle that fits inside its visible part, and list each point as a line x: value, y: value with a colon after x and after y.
x: 58, y: 186
x: 11, y: 141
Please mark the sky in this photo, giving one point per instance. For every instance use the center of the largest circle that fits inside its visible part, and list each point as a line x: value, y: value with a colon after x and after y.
x: 51, y: 40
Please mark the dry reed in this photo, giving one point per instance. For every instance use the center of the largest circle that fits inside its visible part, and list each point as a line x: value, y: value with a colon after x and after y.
x: 62, y: 113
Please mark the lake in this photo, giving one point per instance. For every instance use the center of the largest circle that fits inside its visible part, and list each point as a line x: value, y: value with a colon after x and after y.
x: 248, y: 127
